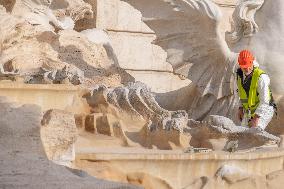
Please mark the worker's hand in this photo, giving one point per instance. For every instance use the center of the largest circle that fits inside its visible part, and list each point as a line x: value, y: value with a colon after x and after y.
x: 254, y: 121
x: 240, y: 113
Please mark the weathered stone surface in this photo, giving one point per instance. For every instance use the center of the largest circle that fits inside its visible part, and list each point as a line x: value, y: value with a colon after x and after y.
x: 163, y: 139
x: 275, y: 179
x: 219, y: 127
x: 80, y: 120
x: 276, y: 125
x: 182, y: 43
x: 63, y: 97
x: 164, y: 127
x: 58, y: 133
x: 69, y: 52
x: 23, y: 161
x: 137, y: 100
x: 91, y: 122
x: 52, y: 15
x: 208, y: 64
x: 130, y: 34
x: 244, y: 24
x: 153, y: 80
x: 127, y: 48
x: 114, y: 127
x: 232, y: 174
x: 198, y: 168
x: 114, y: 15
x: 106, y: 124
x: 65, y: 75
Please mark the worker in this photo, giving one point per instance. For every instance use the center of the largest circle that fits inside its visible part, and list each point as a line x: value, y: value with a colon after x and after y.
x: 256, y: 107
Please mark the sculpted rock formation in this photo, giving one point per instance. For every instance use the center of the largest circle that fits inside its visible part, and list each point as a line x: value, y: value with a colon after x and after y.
x: 211, y: 85
x: 207, y: 134
x: 50, y: 15
x: 136, y: 99
x: 188, y: 50
x: 55, y: 51
x: 244, y: 24
x: 47, y: 42
x: 64, y: 75
x: 58, y: 134
x: 23, y: 161
x: 176, y: 28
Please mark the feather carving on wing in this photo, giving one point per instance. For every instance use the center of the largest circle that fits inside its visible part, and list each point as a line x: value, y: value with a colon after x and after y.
x: 188, y: 30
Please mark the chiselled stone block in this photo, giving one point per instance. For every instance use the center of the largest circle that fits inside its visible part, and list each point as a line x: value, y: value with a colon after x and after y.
x: 91, y: 122
x: 59, y: 133
x: 80, y: 120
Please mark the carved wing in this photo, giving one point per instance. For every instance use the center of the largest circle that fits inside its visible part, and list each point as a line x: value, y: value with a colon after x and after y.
x: 188, y: 30
x: 244, y: 24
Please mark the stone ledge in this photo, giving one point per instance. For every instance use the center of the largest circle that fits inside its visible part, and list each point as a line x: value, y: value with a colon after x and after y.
x: 57, y: 87
x: 174, y: 155
x: 47, y: 96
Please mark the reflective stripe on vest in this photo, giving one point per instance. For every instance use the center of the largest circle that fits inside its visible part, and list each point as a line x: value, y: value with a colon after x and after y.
x: 250, y: 103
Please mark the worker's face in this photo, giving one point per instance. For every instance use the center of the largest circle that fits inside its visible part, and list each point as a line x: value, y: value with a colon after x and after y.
x: 247, y: 70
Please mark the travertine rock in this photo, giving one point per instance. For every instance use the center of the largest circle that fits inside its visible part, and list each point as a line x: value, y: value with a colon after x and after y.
x: 219, y: 127
x: 147, y: 181
x: 137, y: 100
x: 163, y: 139
x: 256, y: 27
x: 91, y: 121
x: 244, y: 24
x: 50, y: 15
x: 187, y: 46
x: 58, y: 134
x: 232, y: 174
x: 22, y: 42
x: 275, y: 179
x: 23, y: 161
x: 7, y: 75
x: 164, y: 127
x: 80, y: 120
x: 65, y: 75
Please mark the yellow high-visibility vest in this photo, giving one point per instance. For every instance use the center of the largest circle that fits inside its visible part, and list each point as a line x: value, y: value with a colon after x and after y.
x: 251, y: 102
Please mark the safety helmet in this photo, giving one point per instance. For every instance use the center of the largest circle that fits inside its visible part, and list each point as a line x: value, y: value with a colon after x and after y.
x: 245, y: 59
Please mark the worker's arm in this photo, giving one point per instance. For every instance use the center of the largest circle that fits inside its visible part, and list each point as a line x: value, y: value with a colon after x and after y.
x: 264, y: 95
x: 237, y: 96
x: 264, y: 98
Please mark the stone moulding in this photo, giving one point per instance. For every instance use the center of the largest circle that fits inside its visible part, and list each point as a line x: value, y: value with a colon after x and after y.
x: 243, y: 23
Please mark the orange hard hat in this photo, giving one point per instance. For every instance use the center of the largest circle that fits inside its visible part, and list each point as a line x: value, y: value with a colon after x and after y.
x: 245, y: 59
